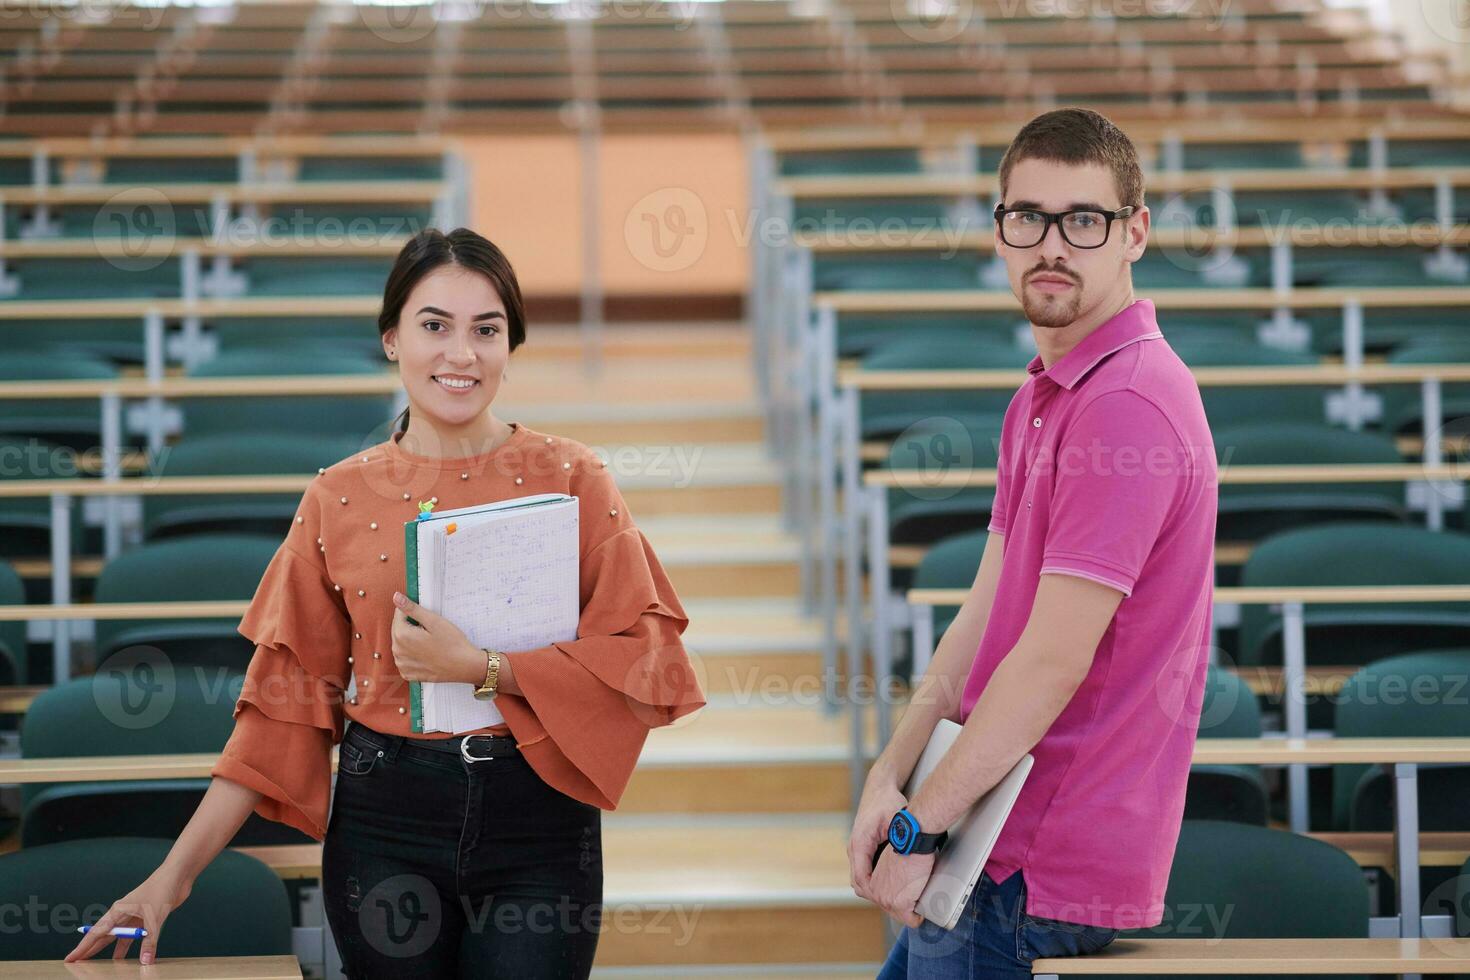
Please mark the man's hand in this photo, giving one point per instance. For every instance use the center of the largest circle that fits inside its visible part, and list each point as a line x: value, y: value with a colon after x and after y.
x: 881, y: 800
x: 434, y: 650
x: 897, y: 883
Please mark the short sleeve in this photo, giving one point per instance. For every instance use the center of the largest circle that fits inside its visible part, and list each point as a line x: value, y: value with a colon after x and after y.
x: 289, y: 712
x: 1119, y: 471
x: 1002, y: 474
x: 594, y: 699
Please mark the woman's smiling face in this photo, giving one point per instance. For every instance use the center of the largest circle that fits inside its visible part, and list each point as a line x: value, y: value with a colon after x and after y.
x: 452, y: 345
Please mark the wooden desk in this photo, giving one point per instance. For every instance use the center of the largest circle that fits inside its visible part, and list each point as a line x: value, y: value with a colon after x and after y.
x: 164, y: 968
x: 1265, y: 956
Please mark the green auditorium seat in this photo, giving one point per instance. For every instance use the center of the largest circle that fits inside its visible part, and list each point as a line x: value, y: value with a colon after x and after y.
x: 334, y: 168
x: 859, y: 333
x: 1417, y: 153
x: 25, y: 522
x: 1357, y: 553
x: 807, y: 163
x: 1227, y: 792
x: 1403, y: 404
x: 1210, y: 326
x: 129, y: 217
x: 12, y: 633
x: 1242, y: 156
x: 950, y: 564
x: 1389, y: 266
x: 1236, y: 881
x: 196, y: 567
x: 1248, y: 512
x: 374, y: 219
x: 349, y: 335
x: 237, y: 906
x: 351, y: 415
x: 149, y: 706
x: 73, y: 422
x: 866, y: 216
x: 1385, y: 329
x: 172, y: 170
x: 938, y: 446
x: 317, y: 277
x: 49, y: 278
x: 1419, y: 204
x: 1165, y: 269
x: 1232, y: 405
x: 1276, y: 208
x: 1416, y: 695
x: 886, y: 413
x: 897, y: 270
x: 253, y: 454
x: 117, y: 341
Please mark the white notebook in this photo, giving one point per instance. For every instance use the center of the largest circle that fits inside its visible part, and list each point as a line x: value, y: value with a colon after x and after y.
x: 507, y: 574
x: 959, y: 864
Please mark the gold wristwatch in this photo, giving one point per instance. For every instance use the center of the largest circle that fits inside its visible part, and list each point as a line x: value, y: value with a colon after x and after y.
x: 487, y: 690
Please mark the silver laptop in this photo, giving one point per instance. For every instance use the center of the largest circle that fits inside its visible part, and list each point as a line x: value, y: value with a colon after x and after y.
x: 971, y: 839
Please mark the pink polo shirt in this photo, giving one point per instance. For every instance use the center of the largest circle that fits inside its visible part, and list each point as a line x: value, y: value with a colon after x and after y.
x: 1107, y: 471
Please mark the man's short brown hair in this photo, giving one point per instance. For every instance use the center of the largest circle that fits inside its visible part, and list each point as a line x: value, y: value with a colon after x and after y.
x: 1078, y: 136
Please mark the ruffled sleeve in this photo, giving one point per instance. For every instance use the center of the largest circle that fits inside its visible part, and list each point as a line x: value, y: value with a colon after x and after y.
x: 587, y: 705
x: 289, y: 712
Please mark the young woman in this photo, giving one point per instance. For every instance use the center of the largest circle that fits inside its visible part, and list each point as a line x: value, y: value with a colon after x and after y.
x: 471, y: 855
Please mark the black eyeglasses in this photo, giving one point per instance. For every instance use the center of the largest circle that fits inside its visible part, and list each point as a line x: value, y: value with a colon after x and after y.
x: 1026, y: 227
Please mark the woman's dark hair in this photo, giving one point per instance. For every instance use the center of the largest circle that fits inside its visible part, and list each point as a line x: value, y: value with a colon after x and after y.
x: 431, y: 249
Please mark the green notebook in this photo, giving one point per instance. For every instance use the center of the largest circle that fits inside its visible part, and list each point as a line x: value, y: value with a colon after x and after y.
x: 506, y: 573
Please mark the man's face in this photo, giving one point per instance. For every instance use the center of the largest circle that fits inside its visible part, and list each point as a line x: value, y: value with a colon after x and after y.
x: 1058, y: 283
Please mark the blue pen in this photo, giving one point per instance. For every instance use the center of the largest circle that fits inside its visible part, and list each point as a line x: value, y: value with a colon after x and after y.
x: 127, y: 932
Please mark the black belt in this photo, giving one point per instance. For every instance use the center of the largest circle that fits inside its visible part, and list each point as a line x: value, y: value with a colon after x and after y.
x: 470, y: 748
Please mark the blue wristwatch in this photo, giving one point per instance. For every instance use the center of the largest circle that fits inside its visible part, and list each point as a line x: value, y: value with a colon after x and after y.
x: 905, y: 835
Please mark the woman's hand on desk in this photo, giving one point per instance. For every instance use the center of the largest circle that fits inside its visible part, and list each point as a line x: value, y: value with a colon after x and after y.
x: 437, y: 650
x: 147, y: 906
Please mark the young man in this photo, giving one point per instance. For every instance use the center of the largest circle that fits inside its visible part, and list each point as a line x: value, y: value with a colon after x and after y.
x: 1084, y: 639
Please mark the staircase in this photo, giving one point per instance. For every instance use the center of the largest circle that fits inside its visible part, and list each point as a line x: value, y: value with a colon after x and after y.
x: 727, y: 855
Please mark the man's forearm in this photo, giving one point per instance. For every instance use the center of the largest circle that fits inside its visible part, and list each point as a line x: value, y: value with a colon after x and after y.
x: 1024, y: 696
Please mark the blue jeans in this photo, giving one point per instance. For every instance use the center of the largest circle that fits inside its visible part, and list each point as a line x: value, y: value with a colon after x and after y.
x: 436, y: 866
x: 994, y: 938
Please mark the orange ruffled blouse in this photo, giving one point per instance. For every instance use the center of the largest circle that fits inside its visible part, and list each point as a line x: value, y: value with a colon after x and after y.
x: 323, y: 613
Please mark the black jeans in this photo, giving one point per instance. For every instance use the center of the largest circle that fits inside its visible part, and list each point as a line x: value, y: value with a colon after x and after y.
x: 435, y: 866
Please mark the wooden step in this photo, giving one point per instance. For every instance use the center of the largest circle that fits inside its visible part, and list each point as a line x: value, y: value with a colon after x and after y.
x: 637, y: 343
x: 599, y: 424
x: 746, y: 646
x: 669, y: 380
x: 684, y: 890
x: 778, y: 754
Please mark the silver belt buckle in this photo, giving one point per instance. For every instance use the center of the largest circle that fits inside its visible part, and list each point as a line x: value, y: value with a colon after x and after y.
x: 464, y: 751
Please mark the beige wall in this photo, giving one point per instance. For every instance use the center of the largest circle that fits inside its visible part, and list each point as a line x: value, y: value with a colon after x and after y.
x: 672, y: 210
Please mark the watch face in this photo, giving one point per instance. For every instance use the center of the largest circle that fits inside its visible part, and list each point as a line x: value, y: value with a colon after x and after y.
x: 900, y: 834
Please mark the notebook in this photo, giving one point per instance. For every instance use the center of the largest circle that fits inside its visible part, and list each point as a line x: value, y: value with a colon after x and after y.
x: 506, y: 574
x: 971, y: 839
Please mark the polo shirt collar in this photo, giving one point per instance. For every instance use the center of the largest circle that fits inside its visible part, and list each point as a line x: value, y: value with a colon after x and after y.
x: 1133, y: 323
